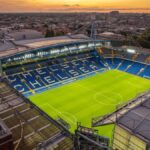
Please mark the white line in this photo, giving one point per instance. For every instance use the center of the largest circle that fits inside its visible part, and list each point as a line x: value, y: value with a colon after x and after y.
x: 58, y: 112
x: 101, y: 93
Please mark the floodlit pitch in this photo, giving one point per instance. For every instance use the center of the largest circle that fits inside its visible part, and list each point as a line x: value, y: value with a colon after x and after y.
x: 93, y: 96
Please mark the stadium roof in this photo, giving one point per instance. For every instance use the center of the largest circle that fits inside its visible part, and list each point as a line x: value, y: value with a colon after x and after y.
x: 24, y: 45
x: 36, y: 43
x: 11, y: 47
x: 138, y: 49
x: 137, y: 121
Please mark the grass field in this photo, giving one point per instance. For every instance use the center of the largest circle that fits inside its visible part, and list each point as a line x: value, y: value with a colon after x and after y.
x: 90, y: 97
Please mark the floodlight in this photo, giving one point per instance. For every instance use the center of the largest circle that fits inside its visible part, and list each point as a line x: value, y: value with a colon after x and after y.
x: 131, y: 51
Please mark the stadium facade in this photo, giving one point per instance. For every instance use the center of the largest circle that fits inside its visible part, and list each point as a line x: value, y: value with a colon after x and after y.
x: 40, y: 65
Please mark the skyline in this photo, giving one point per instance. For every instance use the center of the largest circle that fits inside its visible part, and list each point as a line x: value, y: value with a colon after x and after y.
x: 74, y: 5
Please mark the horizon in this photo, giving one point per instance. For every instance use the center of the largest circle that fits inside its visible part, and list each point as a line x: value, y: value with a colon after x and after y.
x: 13, y: 6
x: 73, y: 12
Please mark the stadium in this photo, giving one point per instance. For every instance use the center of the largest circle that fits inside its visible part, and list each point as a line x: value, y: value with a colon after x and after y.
x: 74, y: 93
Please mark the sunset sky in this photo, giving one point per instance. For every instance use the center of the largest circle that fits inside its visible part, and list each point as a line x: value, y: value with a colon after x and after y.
x: 74, y: 5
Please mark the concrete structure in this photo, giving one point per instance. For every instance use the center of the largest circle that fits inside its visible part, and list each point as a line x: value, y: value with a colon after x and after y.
x: 132, y: 130
x: 6, y: 141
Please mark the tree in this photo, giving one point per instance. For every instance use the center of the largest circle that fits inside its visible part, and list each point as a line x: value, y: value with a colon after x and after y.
x: 49, y: 33
x: 144, y: 39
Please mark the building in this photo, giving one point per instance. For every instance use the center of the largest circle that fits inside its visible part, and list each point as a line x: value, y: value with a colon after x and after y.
x: 110, y: 36
x: 114, y: 13
x: 6, y: 141
x: 26, y: 34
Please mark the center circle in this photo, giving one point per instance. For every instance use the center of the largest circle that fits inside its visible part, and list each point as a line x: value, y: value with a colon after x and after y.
x: 104, y: 98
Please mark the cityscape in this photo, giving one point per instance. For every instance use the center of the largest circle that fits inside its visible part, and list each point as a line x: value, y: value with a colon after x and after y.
x: 112, y: 26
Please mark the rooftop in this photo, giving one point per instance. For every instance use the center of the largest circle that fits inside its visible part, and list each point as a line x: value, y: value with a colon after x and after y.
x: 137, y: 120
x: 35, y: 43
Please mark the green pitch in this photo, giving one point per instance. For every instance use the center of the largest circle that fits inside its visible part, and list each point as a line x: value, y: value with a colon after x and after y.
x: 93, y: 96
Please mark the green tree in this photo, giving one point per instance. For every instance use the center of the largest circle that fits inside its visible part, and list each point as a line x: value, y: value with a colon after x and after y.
x: 144, y: 39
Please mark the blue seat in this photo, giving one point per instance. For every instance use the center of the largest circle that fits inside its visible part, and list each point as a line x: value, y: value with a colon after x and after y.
x: 46, y: 76
x: 146, y: 72
x: 135, y: 68
x: 31, y: 80
x: 54, y: 71
x: 17, y: 83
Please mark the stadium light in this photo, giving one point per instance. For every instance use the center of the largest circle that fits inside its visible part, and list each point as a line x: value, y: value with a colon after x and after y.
x: 131, y: 51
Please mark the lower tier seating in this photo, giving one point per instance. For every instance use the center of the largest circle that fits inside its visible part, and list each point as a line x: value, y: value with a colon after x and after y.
x: 129, y: 66
x: 51, y: 73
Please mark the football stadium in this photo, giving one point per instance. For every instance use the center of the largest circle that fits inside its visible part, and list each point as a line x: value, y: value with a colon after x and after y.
x: 70, y: 93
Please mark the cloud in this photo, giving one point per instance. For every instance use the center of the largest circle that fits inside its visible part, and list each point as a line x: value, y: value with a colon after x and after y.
x: 66, y: 5
x: 75, y: 5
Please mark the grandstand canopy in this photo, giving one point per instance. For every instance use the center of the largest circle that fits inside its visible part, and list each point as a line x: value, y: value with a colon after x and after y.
x: 137, y: 121
x: 25, y: 45
x: 136, y: 49
x: 40, y: 50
